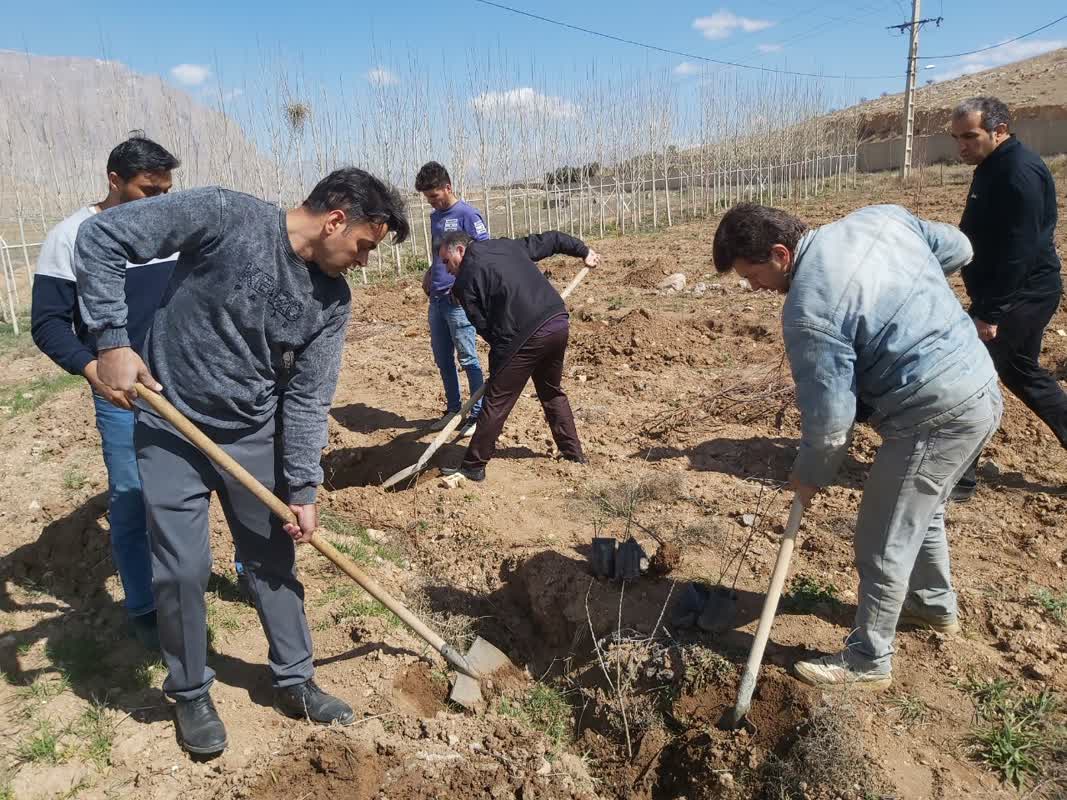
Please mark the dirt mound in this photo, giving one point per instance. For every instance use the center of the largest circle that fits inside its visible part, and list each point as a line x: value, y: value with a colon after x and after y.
x: 442, y: 759
x: 640, y: 335
x: 416, y: 689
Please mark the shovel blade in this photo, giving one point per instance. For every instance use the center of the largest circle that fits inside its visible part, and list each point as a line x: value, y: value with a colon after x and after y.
x: 483, y: 659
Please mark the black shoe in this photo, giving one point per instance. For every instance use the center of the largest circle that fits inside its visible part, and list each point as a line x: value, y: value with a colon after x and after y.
x: 200, y: 730
x: 962, y: 492
x: 145, y: 630
x: 471, y: 474
x: 244, y: 589
x: 307, y: 701
x: 577, y: 459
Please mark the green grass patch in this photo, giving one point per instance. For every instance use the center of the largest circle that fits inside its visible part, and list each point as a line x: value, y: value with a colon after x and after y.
x: 352, y: 539
x: 41, y: 746
x: 144, y: 675
x: 17, y: 400
x: 95, y: 730
x: 223, y: 616
x: 911, y: 710
x: 362, y: 607
x: 807, y: 594
x: 542, y: 709
x: 1054, y: 605
x: 74, y: 479
x: 1018, y: 733
x: 43, y: 689
x: 77, y: 657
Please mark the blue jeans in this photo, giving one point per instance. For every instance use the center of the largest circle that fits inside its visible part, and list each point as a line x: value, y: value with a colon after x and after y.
x: 451, y: 333
x: 129, y: 531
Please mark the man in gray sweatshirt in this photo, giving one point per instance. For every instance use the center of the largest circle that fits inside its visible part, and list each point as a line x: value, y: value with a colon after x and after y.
x: 252, y: 283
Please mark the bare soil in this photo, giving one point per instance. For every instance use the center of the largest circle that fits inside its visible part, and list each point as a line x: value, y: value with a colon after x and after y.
x: 684, y: 405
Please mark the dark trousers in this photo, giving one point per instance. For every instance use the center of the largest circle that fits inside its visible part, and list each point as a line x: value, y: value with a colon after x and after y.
x: 541, y: 358
x: 1016, y: 353
x: 178, y: 481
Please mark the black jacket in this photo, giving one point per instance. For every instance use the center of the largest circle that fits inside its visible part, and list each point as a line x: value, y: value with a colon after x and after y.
x: 506, y: 297
x: 1010, y: 218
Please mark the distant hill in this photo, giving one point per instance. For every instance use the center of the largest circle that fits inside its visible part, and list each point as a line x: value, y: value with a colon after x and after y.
x: 60, y: 117
x: 1034, y: 89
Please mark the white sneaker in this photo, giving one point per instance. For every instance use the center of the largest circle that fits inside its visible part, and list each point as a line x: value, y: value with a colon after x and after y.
x: 834, y: 671
x: 466, y: 430
x: 439, y: 424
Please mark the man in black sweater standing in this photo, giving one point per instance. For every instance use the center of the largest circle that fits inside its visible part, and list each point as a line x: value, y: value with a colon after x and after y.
x: 1014, y: 280
x: 513, y: 306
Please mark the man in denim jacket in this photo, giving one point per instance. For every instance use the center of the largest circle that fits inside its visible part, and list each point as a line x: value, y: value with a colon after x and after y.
x: 870, y: 319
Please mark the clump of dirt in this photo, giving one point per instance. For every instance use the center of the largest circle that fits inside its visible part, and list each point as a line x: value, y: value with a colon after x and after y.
x: 417, y: 690
x: 326, y: 770
x: 826, y: 761
x: 448, y: 758
x: 653, y: 339
x: 665, y: 560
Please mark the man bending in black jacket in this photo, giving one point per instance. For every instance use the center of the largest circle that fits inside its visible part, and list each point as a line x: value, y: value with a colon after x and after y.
x: 1014, y: 280
x: 513, y: 306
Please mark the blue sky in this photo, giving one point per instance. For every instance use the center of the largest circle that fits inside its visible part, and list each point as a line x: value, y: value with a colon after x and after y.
x: 223, y: 42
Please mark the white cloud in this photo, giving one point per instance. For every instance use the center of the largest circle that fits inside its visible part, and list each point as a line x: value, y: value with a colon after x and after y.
x: 190, y: 74
x: 380, y: 76
x: 1016, y: 51
x: 687, y: 68
x: 521, y: 100
x: 769, y: 48
x: 723, y: 23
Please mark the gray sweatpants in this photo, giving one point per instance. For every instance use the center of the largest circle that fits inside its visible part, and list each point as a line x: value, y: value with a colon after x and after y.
x: 901, y: 547
x: 178, y: 480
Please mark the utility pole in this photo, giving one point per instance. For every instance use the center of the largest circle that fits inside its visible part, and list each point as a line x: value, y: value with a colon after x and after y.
x: 909, y: 85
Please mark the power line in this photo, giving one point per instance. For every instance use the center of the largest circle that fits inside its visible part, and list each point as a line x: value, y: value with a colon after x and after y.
x: 669, y: 51
x: 995, y: 46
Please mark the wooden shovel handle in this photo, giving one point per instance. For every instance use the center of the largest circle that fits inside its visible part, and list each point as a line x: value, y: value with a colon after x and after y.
x: 165, y: 409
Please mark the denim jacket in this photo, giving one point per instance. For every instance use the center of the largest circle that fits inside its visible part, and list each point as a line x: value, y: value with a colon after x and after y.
x: 870, y: 317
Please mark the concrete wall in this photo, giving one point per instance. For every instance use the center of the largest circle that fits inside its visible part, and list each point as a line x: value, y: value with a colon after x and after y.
x: 1047, y: 137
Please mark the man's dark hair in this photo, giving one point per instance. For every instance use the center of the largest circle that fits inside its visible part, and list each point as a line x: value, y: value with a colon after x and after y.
x: 749, y: 231
x: 432, y: 175
x: 453, y: 238
x: 140, y: 154
x: 990, y: 110
x: 363, y: 198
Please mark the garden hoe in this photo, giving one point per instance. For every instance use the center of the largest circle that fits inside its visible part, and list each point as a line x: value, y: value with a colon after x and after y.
x: 481, y: 661
x: 770, y: 605
x: 460, y: 415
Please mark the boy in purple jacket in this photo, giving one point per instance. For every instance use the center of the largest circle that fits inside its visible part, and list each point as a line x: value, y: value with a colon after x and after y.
x: 450, y: 330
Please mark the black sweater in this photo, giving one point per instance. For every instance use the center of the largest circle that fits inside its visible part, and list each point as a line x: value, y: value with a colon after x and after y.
x: 506, y: 297
x: 1010, y: 218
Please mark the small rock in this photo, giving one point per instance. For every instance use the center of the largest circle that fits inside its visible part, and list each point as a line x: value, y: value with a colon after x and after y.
x: 34, y: 506
x: 377, y: 535
x: 700, y: 289
x: 748, y: 520
x: 1061, y: 332
x: 453, y: 481
x: 1039, y: 671
x: 453, y: 740
x: 672, y: 283
x: 744, y: 284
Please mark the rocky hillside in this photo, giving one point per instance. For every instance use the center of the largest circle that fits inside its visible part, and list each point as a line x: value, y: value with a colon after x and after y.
x: 1034, y: 89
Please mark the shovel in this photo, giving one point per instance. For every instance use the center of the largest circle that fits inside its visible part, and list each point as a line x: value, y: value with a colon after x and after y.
x: 460, y: 415
x: 766, y: 618
x: 480, y: 661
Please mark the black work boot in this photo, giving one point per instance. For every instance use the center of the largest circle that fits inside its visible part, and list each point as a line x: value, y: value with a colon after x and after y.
x: 200, y: 730
x: 476, y: 474
x: 307, y: 701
